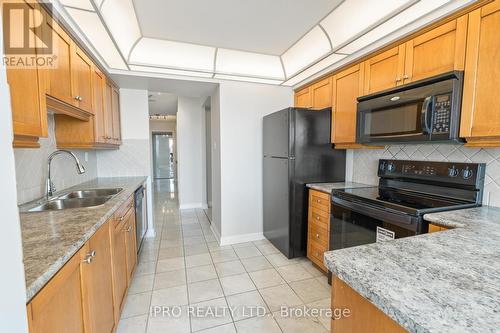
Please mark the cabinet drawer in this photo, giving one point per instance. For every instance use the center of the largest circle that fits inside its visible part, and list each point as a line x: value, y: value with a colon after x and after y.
x: 319, y: 217
x: 319, y: 200
x: 123, y: 210
x: 318, y: 234
x: 315, y: 253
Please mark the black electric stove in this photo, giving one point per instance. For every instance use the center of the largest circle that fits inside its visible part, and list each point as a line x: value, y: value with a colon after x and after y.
x: 407, y: 190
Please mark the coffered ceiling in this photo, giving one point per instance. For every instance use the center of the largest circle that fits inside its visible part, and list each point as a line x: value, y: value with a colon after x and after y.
x: 285, y: 42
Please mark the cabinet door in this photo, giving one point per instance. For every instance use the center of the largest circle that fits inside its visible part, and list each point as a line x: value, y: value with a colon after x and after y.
x: 303, y: 98
x: 115, y: 105
x: 438, y: 51
x: 347, y: 87
x: 321, y: 94
x: 108, y: 111
x: 58, y: 306
x: 98, y: 86
x: 131, y: 244
x: 27, y: 95
x: 384, y: 71
x: 81, y: 74
x: 480, y: 109
x: 97, y: 287
x: 119, y: 264
x: 60, y: 76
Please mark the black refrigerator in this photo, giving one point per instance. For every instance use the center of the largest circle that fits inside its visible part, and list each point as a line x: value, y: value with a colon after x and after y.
x: 297, y: 151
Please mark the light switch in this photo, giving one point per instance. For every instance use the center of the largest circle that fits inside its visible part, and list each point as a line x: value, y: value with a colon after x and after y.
x: 86, y: 157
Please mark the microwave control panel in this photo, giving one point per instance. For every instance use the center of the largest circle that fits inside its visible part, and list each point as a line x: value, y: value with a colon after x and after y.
x: 442, y: 114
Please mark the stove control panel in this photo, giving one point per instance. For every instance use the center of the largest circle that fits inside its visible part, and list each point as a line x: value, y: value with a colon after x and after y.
x: 447, y: 172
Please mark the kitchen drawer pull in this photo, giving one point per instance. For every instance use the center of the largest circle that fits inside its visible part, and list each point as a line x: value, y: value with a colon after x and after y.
x: 87, y: 260
x: 317, y: 236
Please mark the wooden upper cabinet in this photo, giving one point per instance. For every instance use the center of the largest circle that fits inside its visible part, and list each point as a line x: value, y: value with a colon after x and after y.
x: 98, y: 86
x: 303, y: 98
x: 81, y: 74
x: 321, y: 94
x: 108, y: 111
x: 385, y: 70
x: 58, y: 306
x: 115, y: 107
x: 347, y: 87
x: 438, y: 51
x: 27, y: 96
x: 60, y: 76
x: 480, y: 119
x: 97, y: 286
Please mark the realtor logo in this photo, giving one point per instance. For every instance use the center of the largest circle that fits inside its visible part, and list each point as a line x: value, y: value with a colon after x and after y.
x: 27, y: 41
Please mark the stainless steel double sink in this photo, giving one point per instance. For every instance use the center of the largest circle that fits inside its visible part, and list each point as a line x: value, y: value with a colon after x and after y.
x: 78, y: 199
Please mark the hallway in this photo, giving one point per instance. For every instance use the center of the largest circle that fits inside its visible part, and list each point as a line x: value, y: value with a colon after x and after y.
x: 186, y: 282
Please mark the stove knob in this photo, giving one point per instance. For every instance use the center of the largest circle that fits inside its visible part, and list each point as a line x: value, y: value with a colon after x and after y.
x: 391, y: 167
x: 382, y: 166
x: 467, y: 173
x: 452, y: 172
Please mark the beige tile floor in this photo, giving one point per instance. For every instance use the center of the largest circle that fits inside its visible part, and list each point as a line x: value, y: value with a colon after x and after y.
x: 184, y: 267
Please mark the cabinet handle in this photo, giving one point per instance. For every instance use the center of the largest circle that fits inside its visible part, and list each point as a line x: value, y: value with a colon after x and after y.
x: 406, y: 77
x: 398, y: 79
x: 317, y: 218
x: 317, y: 236
x: 87, y: 260
x: 80, y: 98
x: 128, y: 229
x: 319, y: 201
x: 122, y: 217
x: 77, y: 98
x: 92, y: 254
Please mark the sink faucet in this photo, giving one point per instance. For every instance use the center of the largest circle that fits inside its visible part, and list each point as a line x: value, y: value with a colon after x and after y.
x: 50, y: 188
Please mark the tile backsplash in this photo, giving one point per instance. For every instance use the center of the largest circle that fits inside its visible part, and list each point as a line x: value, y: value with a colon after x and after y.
x: 365, y: 163
x: 31, y: 168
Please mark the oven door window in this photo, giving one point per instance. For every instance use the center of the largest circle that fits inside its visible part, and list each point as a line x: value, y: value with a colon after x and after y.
x: 350, y: 228
x: 401, y: 120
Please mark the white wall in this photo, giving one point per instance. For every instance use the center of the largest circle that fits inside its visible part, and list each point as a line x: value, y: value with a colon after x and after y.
x: 134, y: 156
x: 242, y: 107
x: 12, y: 283
x: 190, y: 145
x: 216, y: 163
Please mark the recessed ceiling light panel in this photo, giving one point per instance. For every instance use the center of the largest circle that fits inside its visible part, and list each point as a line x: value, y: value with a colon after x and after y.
x: 307, y: 50
x: 160, y: 70
x: 353, y: 17
x: 233, y: 62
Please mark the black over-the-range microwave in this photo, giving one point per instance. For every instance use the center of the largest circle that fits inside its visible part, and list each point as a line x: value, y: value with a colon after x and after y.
x: 423, y: 111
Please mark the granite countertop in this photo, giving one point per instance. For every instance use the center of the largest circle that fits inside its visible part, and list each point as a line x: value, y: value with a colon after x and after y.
x: 328, y: 187
x: 50, y: 239
x: 446, y: 281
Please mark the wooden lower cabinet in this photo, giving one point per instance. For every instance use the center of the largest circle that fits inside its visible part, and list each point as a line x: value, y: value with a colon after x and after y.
x: 122, y: 261
x: 58, y: 307
x: 88, y: 293
x: 363, y: 315
x: 97, y: 283
x: 318, y: 230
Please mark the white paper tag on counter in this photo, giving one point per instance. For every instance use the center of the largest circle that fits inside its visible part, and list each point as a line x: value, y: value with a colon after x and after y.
x: 384, y: 235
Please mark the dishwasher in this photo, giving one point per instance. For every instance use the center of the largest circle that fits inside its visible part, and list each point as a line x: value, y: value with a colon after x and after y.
x: 140, y: 216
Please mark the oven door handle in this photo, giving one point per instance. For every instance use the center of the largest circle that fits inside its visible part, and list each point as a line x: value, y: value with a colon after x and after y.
x: 424, y: 118
x: 376, y: 213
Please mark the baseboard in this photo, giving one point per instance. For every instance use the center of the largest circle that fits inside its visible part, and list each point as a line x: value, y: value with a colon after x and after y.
x: 229, y: 240
x: 150, y: 233
x: 191, y: 206
x: 215, y: 232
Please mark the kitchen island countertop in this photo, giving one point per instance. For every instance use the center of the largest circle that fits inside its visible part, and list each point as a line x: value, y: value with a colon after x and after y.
x: 51, y: 238
x: 445, y: 281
